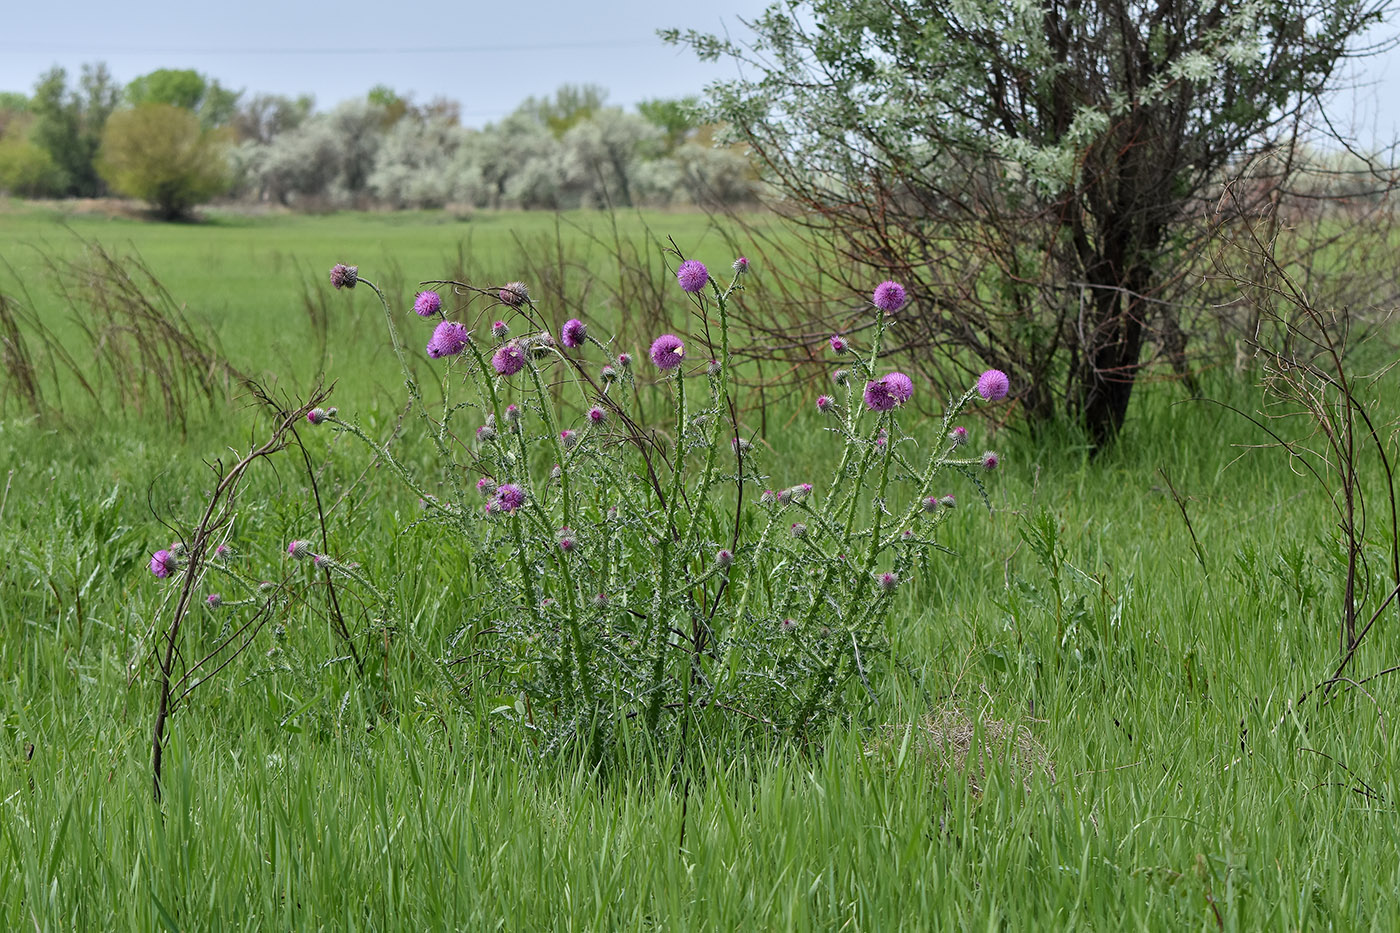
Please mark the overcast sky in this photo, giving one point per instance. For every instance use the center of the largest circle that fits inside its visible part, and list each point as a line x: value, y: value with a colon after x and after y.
x: 486, y: 55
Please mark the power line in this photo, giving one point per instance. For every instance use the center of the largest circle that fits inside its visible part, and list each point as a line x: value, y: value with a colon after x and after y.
x: 496, y: 48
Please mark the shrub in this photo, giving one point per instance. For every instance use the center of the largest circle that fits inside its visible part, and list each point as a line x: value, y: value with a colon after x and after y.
x: 160, y: 154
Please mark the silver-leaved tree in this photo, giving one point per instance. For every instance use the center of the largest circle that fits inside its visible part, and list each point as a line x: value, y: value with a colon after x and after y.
x: 1037, y: 172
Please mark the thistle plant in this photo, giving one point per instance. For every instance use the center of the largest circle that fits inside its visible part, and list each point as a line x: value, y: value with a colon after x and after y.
x: 662, y: 574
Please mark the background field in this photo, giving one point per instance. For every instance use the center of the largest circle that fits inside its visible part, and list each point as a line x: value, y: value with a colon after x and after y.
x: 1178, y: 790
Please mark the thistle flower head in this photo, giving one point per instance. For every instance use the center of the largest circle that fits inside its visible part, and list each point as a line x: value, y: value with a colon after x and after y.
x: 741, y: 445
x: 568, y: 438
x: 713, y: 368
x: 930, y: 504
x: 887, y: 581
x: 787, y: 626
x: 741, y: 265
x: 839, y: 344
x: 509, y: 497
x: 889, y: 297
x: 600, y: 601
x: 993, y: 385
x: 799, y: 530
x: 487, y: 432
x: 768, y: 497
x: 841, y: 377
x: 990, y: 460
x: 667, y: 352
x: 486, y: 486
x: 449, y: 337
x: 541, y: 344
x: 514, y: 294
x: 567, y: 542
x: 221, y: 551
x: 163, y: 563
x: 901, y: 386
x: 426, y: 304
x: 948, y: 502
x: 878, y: 396
x: 609, y: 374
x: 692, y: 275
x: 316, y: 415
x: 512, y: 413
x: 596, y: 415
x: 573, y: 333
x: 825, y: 404
x: 958, y: 436
x: 508, y: 360
x: 500, y: 330
x: 214, y: 600
x: 343, y: 276
x: 624, y: 360
x: 298, y: 548
x: 723, y: 558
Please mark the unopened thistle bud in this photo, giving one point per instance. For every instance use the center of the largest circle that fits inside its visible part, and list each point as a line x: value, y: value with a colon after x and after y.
x: 214, y: 600
x: 500, y: 330
x: 514, y: 294
x: 768, y: 497
x: 567, y: 542
x: 826, y: 404
x: 713, y: 368
x: 609, y: 374
x: 930, y: 504
x: 787, y: 626
x: 958, y: 436
x: 841, y: 377
x: 724, y: 558
x: 600, y: 601
x: 316, y: 416
x: 799, y: 530
x: 486, y: 486
x: 887, y: 581
x: 568, y: 438
x: 741, y: 445
x: 624, y: 360
x: 839, y: 344
x: 596, y: 416
x: 299, y: 549
x: 990, y: 461
x: 741, y: 265
x: 948, y: 502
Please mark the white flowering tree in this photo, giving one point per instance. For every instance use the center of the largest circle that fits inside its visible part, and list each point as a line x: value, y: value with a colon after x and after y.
x: 1032, y: 169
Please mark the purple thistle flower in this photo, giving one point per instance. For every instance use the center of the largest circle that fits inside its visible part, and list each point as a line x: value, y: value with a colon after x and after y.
x: 426, y: 304
x: 573, y: 333
x: 692, y: 275
x: 514, y: 294
x: 839, y: 344
x: 597, y: 415
x: 510, y: 497
x: 741, y: 265
x: 486, y: 486
x: 787, y: 626
x: 316, y: 415
x: 215, y: 600
x: 958, y: 436
x: 500, y: 330
x: 990, y: 461
x: 567, y: 542
x: 624, y: 360
x: 930, y: 504
x: 343, y: 276
x: 667, y: 351
x: 163, y: 563
x: 993, y: 385
x: 799, y: 530
x: 825, y: 404
x: 889, y: 297
x: 901, y: 386
x: 568, y: 438
x: 879, y: 397
x: 888, y: 581
x: 298, y: 548
x: 724, y: 558
x: 508, y: 360
x: 448, y: 339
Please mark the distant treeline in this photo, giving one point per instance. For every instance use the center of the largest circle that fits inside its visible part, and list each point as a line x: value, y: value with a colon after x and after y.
x: 177, y: 138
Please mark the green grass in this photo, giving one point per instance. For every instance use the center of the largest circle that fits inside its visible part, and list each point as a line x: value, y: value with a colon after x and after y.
x: 301, y: 796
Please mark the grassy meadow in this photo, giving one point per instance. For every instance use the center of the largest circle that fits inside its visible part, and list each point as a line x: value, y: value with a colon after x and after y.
x: 1129, y: 695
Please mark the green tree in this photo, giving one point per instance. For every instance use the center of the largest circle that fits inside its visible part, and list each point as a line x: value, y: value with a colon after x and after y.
x: 677, y: 118
x: 160, y: 154
x: 188, y: 89
x: 69, y: 123
x: 571, y: 105
x: 25, y: 168
x: 1033, y: 171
